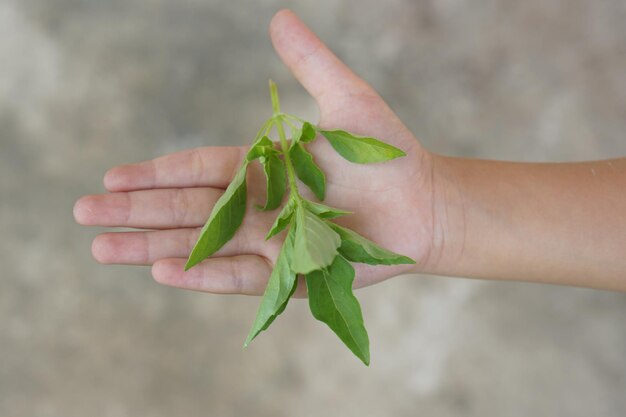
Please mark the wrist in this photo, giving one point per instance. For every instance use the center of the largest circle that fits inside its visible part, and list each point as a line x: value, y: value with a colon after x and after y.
x: 449, y: 245
x: 526, y: 222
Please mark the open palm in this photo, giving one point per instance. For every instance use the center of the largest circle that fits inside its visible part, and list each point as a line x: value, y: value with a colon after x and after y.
x: 173, y: 195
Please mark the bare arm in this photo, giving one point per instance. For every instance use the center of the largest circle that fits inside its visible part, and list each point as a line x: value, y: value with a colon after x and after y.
x: 555, y: 223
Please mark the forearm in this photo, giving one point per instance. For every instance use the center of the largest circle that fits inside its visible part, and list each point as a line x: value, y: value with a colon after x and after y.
x: 554, y: 223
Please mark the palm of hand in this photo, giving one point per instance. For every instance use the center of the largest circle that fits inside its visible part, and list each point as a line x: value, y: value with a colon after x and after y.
x: 391, y: 202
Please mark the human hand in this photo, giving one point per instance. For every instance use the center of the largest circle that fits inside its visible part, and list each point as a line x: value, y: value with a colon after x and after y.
x: 393, y: 203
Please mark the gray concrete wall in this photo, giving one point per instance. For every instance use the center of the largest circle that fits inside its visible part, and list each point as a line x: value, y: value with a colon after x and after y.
x: 85, y: 85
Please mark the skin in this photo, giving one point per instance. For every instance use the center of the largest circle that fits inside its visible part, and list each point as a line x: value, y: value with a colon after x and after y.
x: 554, y: 223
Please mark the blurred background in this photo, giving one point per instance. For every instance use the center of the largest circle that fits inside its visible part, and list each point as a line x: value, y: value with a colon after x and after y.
x: 87, y: 84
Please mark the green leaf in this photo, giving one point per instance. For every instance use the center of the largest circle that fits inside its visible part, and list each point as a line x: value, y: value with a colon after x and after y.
x: 280, y: 288
x: 356, y: 248
x: 282, y: 307
x: 308, y: 171
x: 315, y: 244
x: 324, y: 211
x: 225, y: 219
x: 331, y: 301
x: 276, y: 181
x: 305, y: 134
x: 283, y: 219
x: 360, y: 149
x: 263, y: 148
x: 274, y: 168
x: 308, y: 132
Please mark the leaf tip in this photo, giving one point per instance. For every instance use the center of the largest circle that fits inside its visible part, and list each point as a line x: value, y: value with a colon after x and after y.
x: 405, y: 260
x: 364, y: 355
x: 251, y: 336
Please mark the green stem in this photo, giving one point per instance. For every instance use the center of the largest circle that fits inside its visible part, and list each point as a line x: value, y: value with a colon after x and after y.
x: 286, y: 120
x: 296, y: 118
x: 278, y: 120
x: 274, y: 96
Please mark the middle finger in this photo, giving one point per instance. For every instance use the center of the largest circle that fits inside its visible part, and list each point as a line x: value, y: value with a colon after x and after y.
x: 148, y: 209
x: 144, y: 248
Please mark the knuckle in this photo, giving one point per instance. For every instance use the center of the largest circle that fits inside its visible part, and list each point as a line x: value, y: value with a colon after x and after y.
x: 197, y: 163
x: 236, y: 276
x: 179, y: 204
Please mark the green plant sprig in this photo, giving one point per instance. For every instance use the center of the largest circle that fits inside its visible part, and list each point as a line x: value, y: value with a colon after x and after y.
x: 314, y: 246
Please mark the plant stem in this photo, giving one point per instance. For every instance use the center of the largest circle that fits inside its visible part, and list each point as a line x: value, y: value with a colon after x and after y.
x: 278, y: 120
x: 286, y: 120
x: 296, y: 118
x: 274, y: 96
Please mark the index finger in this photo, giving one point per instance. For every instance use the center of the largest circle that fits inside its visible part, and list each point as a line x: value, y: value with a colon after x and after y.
x: 210, y: 166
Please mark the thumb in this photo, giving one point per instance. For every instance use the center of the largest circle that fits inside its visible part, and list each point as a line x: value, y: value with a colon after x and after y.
x: 319, y: 71
x: 345, y: 100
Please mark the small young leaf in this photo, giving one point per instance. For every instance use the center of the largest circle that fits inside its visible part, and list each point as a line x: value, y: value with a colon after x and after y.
x: 283, y: 219
x: 305, y: 134
x: 324, y: 211
x: 360, y: 149
x: 280, y: 287
x: 356, y: 248
x: 225, y: 219
x: 274, y: 168
x: 308, y: 171
x: 315, y: 244
x: 308, y: 132
x: 263, y: 148
x: 331, y: 301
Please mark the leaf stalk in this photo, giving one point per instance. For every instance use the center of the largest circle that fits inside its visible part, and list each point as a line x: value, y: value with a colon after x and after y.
x: 277, y: 117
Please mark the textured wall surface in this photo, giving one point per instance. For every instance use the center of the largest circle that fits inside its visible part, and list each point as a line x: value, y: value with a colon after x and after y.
x: 86, y: 84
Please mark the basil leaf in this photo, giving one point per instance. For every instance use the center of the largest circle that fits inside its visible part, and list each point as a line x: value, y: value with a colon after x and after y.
x: 360, y: 149
x: 315, y: 244
x: 331, y: 301
x: 324, y: 211
x: 356, y: 248
x: 308, y: 132
x: 276, y: 181
x: 261, y: 149
x: 308, y: 171
x: 305, y: 134
x: 282, y: 307
x: 283, y: 219
x: 280, y: 287
x: 274, y: 169
x: 225, y: 219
